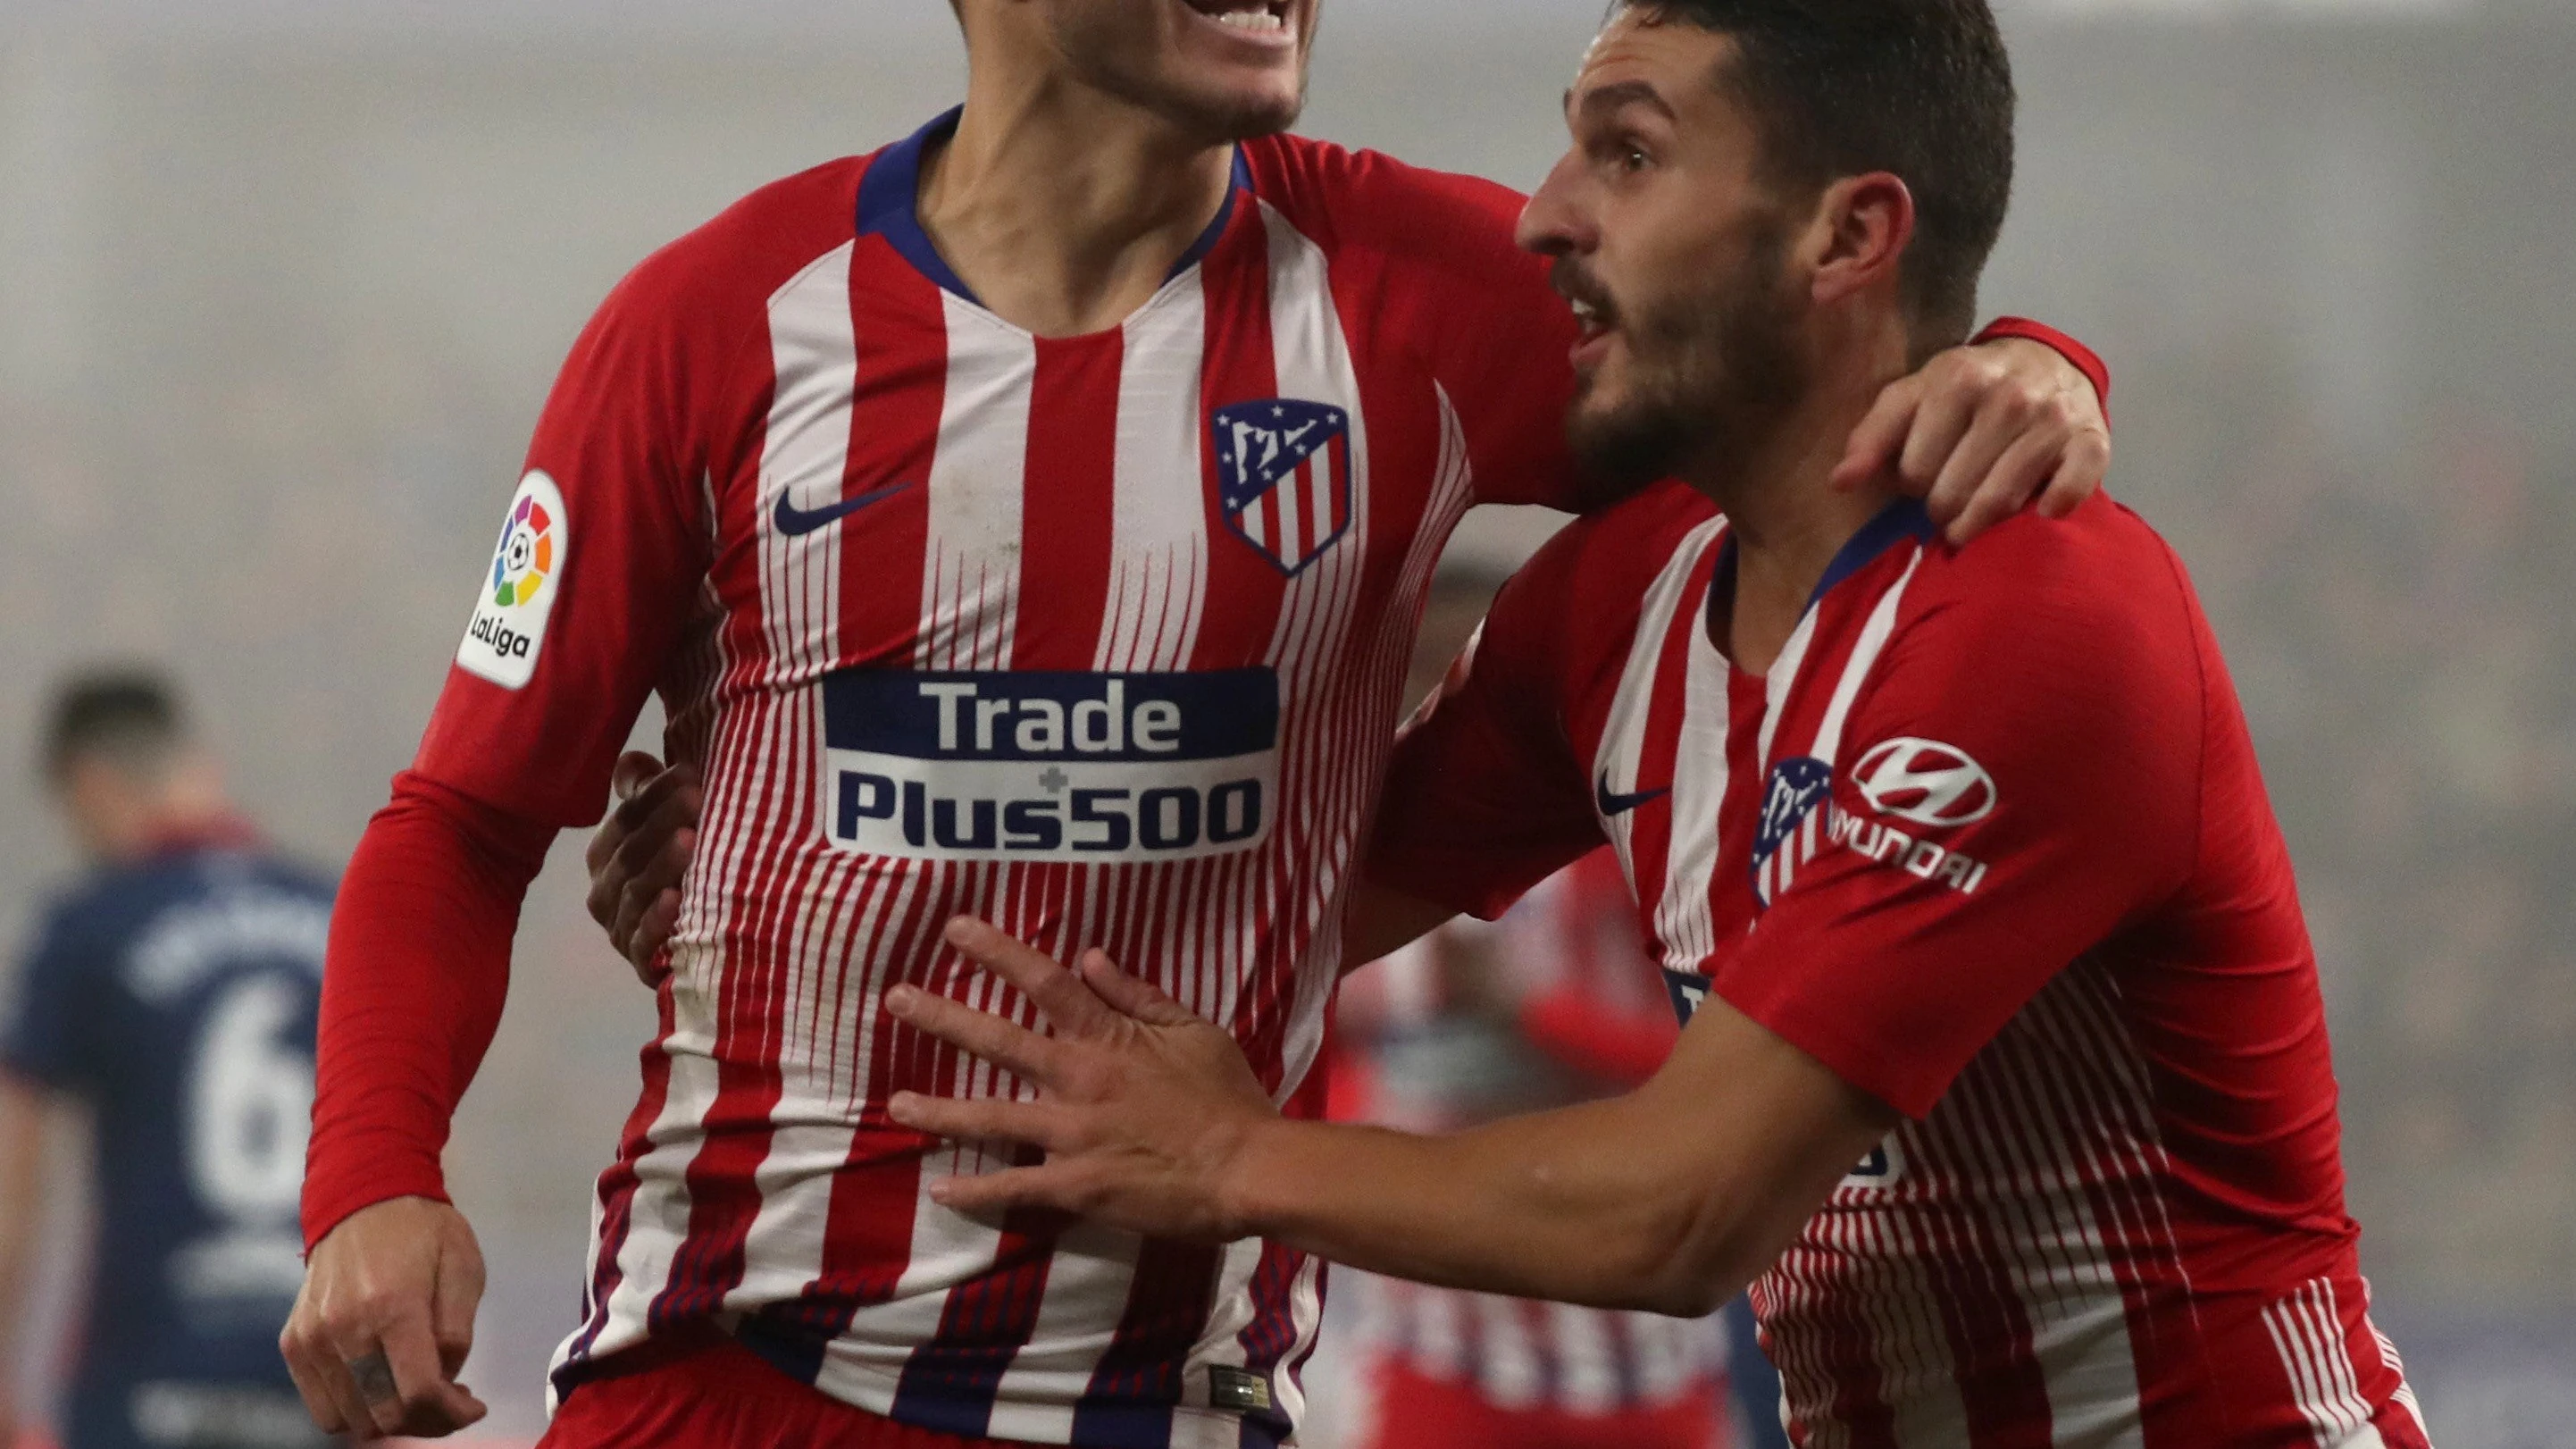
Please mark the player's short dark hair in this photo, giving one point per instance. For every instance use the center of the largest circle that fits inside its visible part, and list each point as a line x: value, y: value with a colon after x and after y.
x: 1919, y: 88
x: 130, y: 718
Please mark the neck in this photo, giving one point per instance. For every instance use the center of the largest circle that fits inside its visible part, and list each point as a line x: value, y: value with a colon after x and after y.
x: 1064, y: 208
x: 1787, y: 519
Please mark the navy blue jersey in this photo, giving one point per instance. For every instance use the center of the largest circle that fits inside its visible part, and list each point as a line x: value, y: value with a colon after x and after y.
x: 177, y: 997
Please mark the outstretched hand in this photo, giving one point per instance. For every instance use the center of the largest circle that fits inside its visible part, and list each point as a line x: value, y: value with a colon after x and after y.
x: 1143, y: 1108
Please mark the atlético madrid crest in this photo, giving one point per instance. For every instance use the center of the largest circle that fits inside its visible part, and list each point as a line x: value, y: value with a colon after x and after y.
x: 1284, y: 477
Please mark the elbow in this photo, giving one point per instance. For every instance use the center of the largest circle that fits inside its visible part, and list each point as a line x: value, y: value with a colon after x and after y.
x: 1689, y: 1289
x: 1689, y: 1262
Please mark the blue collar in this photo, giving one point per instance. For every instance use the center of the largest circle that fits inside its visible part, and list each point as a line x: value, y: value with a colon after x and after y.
x: 1894, y: 524
x: 890, y: 206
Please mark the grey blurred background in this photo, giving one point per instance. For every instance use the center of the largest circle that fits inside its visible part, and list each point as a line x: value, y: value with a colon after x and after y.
x: 283, y: 282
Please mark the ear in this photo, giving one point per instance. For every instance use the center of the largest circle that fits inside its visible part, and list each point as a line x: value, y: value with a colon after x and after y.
x: 1862, y: 227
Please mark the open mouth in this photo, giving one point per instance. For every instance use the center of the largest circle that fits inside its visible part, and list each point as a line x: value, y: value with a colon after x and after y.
x: 1264, y: 18
x: 1592, y: 319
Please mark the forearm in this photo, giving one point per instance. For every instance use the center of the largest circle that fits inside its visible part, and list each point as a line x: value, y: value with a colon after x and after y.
x: 1566, y: 1205
x: 418, y: 969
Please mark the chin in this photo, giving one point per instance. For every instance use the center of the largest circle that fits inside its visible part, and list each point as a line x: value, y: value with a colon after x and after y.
x: 1167, y: 57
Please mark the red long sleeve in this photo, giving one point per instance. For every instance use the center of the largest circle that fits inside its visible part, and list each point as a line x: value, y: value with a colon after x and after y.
x: 418, y: 968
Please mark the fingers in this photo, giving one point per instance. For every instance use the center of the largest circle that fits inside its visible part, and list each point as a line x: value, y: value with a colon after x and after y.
x: 634, y: 774
x: 1133, y: 995
x: 2005, y: 486
x: 1941, y: 423
x: 988, y: 1119
x: 1970, y: 479
x: 634, y: 770
x: 312, y: 1379
x: 2079, y: 475
x: 1049, y: 1186
x: 652, y: 933
x: 1069, y: 1005
x: 1876, y: 442
x: 644, y: 888
x: 1005, y: 1044
x: 349, y: 1406
x: 408, y: 1388
x: 643, y: 850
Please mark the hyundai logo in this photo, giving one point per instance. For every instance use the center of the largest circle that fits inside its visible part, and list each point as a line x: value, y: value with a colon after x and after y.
x: 1927, y: 782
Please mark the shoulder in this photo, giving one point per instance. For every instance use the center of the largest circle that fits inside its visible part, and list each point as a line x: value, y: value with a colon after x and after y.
x: 90, y: 919
x: 2084, y: 627
x: 724, y: 271
x: 2102, y: 579
x: 1342, y: 197
x: 1585, y: 589
x: 1621, y: 549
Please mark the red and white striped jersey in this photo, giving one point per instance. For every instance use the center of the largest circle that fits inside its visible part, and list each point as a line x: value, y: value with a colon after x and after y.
x: 1989, y: 841
x: 1101, y: 638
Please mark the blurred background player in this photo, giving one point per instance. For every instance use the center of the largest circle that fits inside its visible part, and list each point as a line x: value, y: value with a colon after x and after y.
x: 170, y: 997
x: 1555, y: 1003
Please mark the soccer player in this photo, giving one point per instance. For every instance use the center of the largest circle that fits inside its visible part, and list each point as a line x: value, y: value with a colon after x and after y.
x: 2006, y: 1069
x: 1028, y: 519
x: 172, y: 996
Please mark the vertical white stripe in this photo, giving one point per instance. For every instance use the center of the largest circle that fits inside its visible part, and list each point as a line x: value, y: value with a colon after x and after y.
x: 1623, y: 736
x: 1158, y: 548
x: 1873, y: 641
x: 978, y: 483
x: 1507, y: 1361
x: 1684, y: 920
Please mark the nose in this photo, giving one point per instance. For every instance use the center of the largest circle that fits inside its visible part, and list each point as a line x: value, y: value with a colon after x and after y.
x: 1555, y: 223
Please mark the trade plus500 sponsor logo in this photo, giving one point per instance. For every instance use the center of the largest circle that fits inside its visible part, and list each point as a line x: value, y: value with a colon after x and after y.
x: 1070, y: 767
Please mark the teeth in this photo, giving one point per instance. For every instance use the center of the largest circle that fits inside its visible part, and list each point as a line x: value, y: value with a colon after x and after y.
x: 1259, y: 22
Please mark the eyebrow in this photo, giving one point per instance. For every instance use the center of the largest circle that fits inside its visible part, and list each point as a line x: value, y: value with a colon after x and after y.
x: 1620, y: 96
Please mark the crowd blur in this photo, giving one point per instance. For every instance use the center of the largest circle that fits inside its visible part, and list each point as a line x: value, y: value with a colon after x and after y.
x: 276, y: 313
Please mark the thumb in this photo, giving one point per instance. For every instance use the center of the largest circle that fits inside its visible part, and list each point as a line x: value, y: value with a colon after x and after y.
x: 1132, y: 996
x: 634, y: 771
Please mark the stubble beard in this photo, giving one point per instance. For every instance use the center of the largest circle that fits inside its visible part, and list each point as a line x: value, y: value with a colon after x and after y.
x: 1714, y: 374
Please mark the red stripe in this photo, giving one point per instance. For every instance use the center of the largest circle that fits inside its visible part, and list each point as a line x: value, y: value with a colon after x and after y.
x: 1069, y: 509
x: 901, y: 326
x: 1244, y: 588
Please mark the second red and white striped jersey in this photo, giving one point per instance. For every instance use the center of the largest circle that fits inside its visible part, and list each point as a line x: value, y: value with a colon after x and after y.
x: 1988, y: 841
x: 1101, y: 638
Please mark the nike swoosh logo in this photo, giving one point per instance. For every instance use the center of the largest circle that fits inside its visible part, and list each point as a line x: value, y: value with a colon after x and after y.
x: 796, y: 522
x: 1613, y: 804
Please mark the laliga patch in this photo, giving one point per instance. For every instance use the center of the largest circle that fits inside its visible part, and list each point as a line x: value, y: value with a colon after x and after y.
x: 511, y: 607
x: 1066, y: 767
